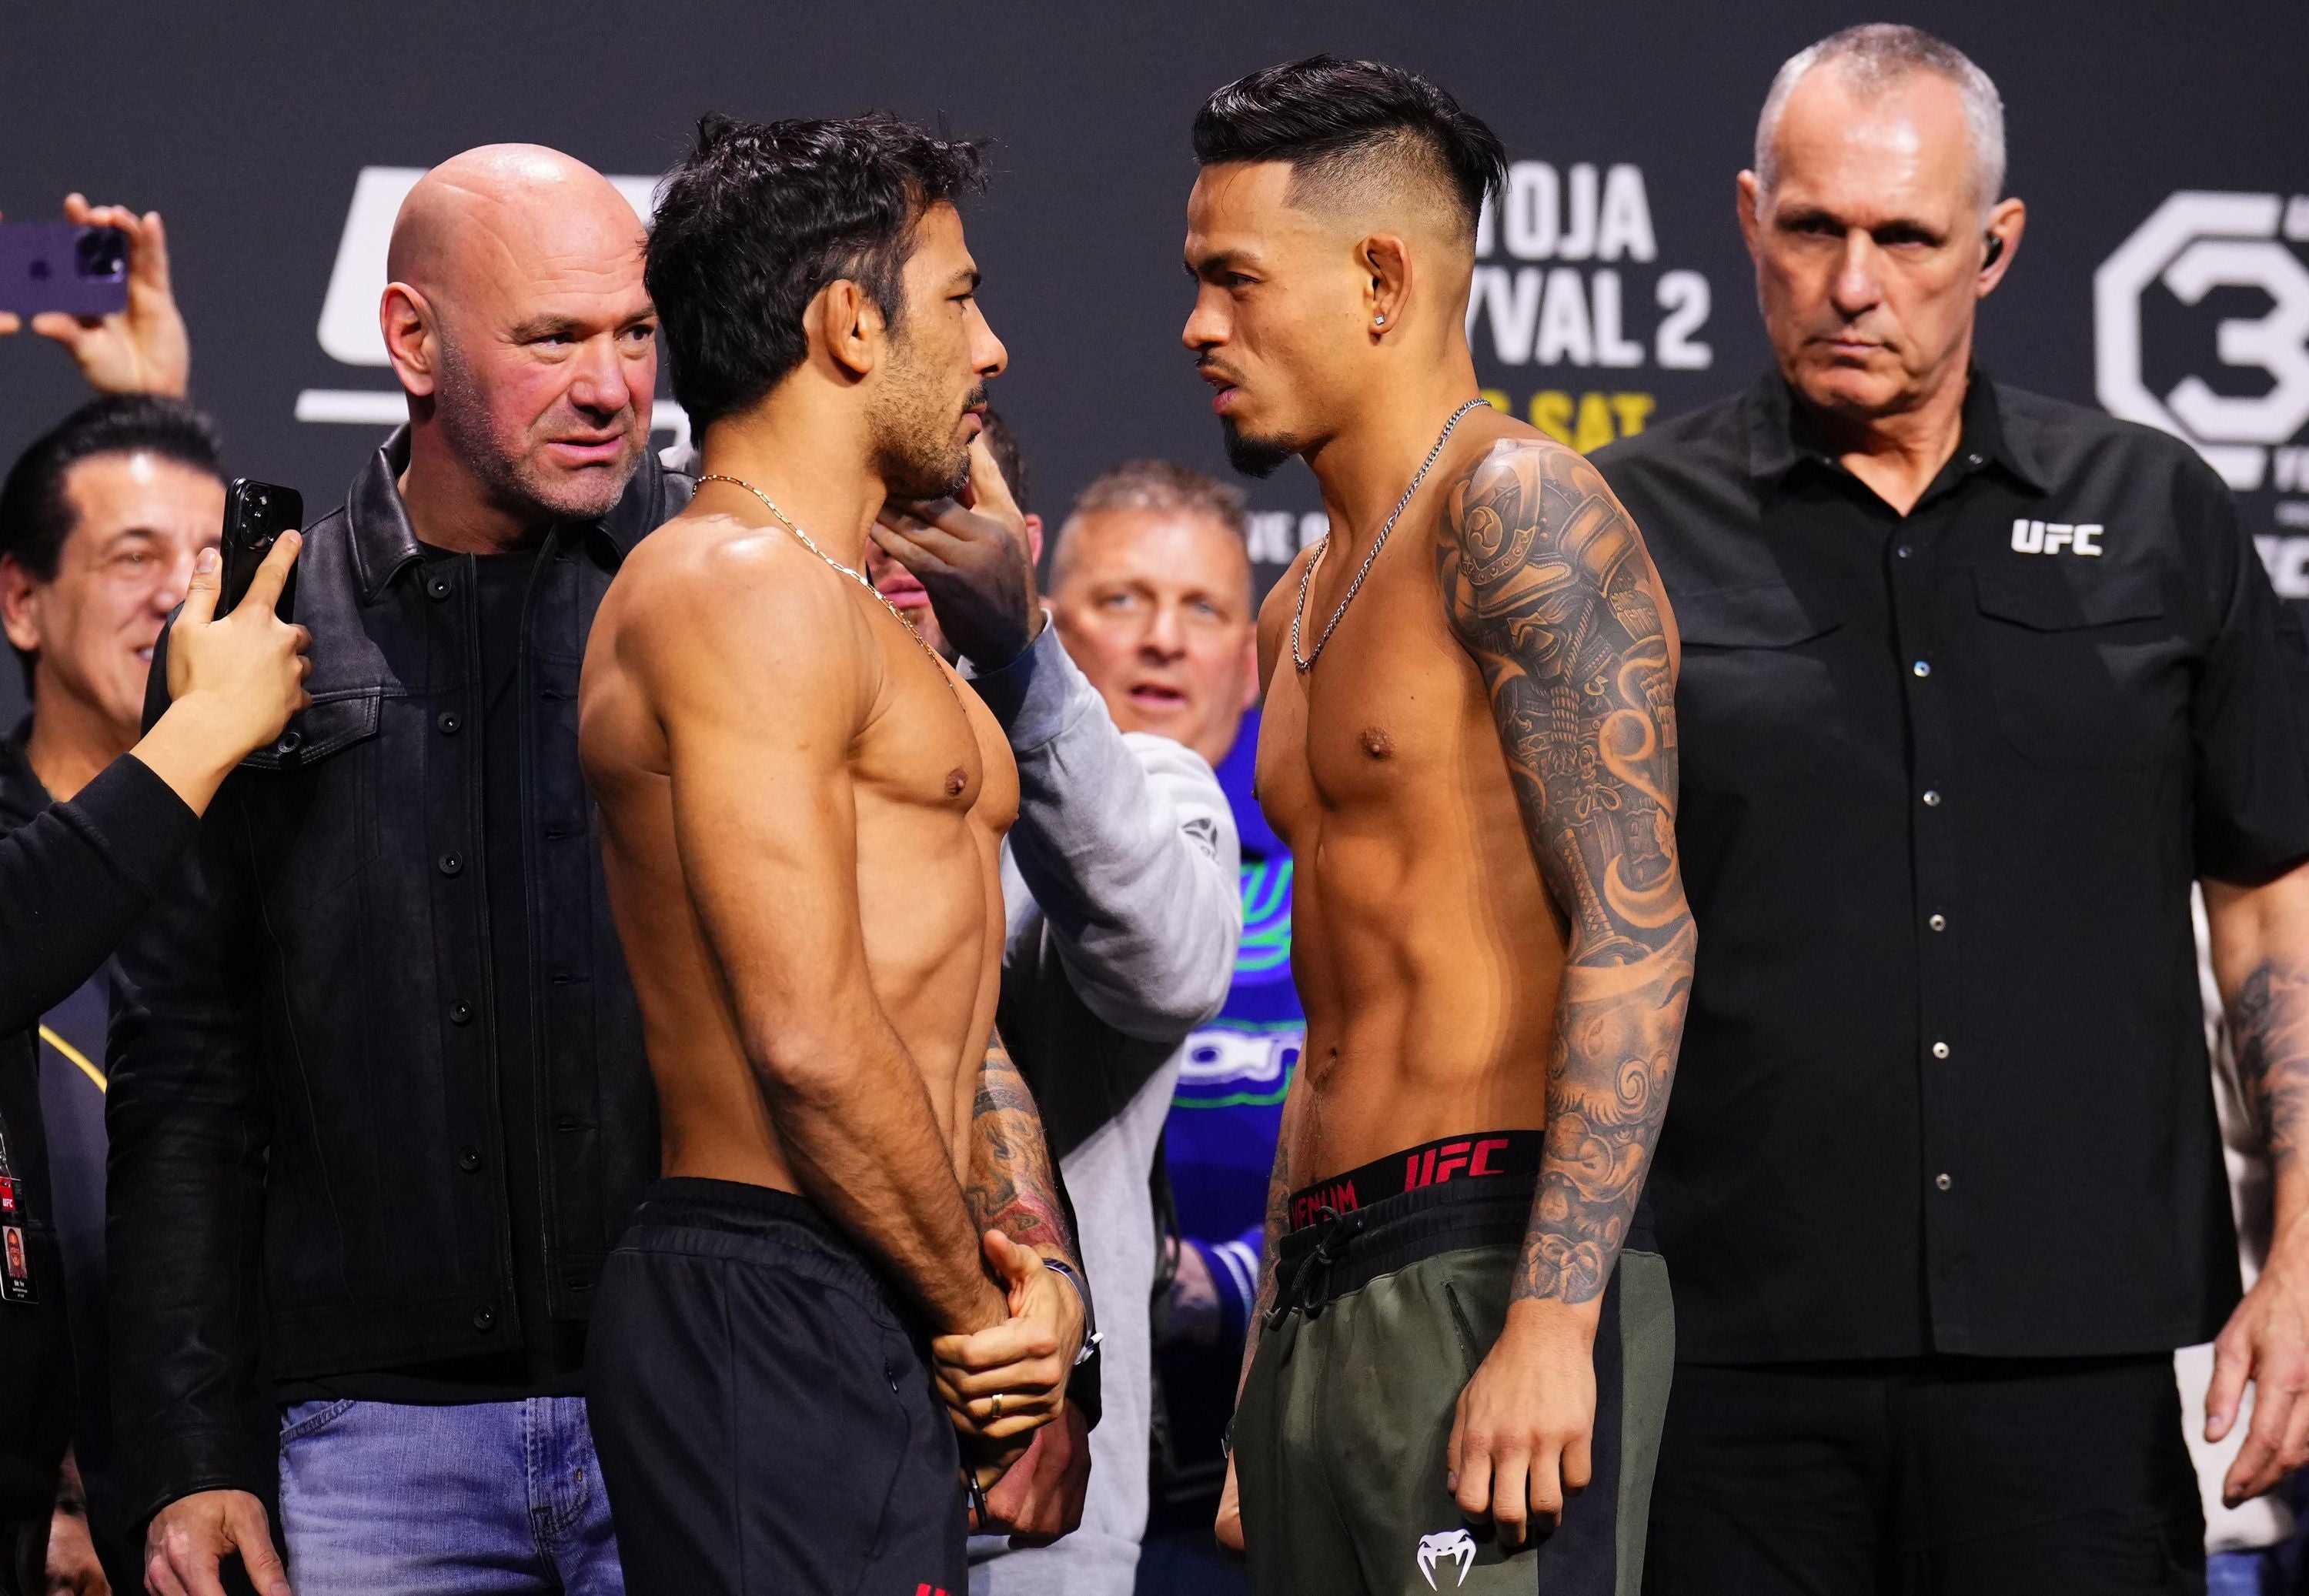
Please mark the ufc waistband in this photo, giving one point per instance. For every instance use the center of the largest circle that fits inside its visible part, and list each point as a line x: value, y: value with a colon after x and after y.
x: 1485, y: 1155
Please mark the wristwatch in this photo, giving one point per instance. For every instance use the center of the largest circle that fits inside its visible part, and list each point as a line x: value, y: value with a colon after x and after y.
x: 1091, y: 1337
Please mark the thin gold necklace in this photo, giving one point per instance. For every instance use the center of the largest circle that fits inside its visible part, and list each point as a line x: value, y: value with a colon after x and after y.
x: 807, y: 541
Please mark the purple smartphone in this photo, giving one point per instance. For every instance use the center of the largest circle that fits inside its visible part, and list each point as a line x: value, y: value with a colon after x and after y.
x: 60, y: 265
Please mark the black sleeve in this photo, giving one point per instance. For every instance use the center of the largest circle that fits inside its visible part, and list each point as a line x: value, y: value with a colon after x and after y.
x: 2249, y: 718
x: 74, y: 879
x: 188, y: 1121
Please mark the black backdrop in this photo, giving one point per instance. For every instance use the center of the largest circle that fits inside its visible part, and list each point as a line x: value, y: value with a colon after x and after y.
x: 250, y: 126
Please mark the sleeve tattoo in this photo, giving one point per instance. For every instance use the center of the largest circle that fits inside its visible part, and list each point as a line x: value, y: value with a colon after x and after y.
x: 2268, y: 1026
x: 1012, y: 1187
x: 1547, y: 587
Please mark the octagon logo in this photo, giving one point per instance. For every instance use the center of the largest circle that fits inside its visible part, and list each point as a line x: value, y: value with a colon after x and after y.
x: 2195, y: 243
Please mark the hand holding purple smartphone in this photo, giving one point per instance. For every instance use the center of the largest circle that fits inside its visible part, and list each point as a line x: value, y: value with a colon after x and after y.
x: 62, y: 266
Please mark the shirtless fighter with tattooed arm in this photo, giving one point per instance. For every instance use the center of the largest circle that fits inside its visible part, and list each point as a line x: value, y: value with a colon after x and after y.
x: 859, y: 1234
x: 1469, y: 744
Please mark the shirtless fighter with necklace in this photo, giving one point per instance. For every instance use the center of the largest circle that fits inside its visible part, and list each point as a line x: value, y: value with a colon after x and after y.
x: 859, y: 1248
x: 1464, y: 1349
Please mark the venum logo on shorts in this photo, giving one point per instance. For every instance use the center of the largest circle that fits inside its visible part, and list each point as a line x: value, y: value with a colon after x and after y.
x: 1455, y: 1546
x: 1339, y: 1197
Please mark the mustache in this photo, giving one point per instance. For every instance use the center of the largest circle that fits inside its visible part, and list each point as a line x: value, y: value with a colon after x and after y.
x: 975, y: 399
x: 1210, y: 365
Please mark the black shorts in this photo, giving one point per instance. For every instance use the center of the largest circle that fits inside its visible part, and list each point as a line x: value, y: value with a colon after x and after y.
x: 763, y: 1408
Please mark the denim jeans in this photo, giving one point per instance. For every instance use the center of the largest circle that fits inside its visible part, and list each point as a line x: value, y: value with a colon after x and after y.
x: 2243, y: 1573
x: 394, y: 1499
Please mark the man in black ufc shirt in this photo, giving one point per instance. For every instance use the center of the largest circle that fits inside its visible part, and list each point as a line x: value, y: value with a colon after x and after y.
x: 1975, y: 684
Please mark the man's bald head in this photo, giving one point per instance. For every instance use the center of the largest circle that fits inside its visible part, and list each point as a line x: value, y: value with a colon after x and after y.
x: 518, y: 320
x: 505, y: 198
x: 1375, y: 146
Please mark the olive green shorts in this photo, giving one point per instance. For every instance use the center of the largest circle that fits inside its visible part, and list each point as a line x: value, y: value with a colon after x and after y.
x: 1339, y: 1439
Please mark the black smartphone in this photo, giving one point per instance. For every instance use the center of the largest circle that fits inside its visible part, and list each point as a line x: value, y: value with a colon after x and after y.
x: 62, y: 265
x: 255, y: 514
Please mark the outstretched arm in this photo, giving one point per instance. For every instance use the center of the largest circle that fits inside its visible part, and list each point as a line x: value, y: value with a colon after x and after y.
x: 2260, y: 960
x: 1548, y: 587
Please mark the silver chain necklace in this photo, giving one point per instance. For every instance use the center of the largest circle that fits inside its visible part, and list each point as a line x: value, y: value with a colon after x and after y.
x: 1307, y: 575
x: 859, y: 577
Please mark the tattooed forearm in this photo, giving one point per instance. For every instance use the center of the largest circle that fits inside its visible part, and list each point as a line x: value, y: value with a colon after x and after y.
x: 2268, y: 1026
x: 1011, y: 1188
x: 1548, y: 589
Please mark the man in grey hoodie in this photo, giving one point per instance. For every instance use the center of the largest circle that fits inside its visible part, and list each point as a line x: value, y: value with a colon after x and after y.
x: 1123, y: 907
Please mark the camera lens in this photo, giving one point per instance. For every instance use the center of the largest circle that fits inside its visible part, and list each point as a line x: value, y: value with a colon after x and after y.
x: 102, y: 253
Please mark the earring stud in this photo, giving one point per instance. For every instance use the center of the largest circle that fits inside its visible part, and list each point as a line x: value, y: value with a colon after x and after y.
x: 1378, y: 321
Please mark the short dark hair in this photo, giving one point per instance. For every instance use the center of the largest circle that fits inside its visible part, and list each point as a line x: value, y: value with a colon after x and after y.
x: 36, y: 514
x: 1321, y: 114
x: 759, y: 216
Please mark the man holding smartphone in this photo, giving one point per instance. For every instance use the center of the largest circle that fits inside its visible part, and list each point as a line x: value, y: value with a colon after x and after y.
x: 379, y: 1105
x: 73, y: 879
x: 99, y: 526
x: 101, y: 519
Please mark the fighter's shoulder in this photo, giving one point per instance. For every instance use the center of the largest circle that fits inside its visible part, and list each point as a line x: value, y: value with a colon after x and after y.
x: 710, y: 558
x: 711, y: 583
x: 1518, y: 479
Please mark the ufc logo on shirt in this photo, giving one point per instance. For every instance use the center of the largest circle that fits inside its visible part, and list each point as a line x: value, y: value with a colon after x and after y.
x: 2040, y: 536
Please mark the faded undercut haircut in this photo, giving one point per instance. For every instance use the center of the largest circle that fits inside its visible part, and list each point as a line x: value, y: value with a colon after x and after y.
x: 1877, y: 56
x: 759, y: 216
x: 1156, y: 484
x: 1335, y: 121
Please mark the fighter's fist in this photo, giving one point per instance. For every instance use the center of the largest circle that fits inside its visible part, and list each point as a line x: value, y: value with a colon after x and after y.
x: 1004, y: 1382
x: 1229, y: 1527
x: 1522, y: 1437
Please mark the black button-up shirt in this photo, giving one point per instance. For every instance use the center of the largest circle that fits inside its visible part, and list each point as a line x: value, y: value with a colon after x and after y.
x: 306, y: 1114
x: 1947, y: 779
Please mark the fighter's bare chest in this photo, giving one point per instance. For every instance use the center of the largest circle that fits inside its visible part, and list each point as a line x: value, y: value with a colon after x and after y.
x: 1382, y: 723
x: 933, y: 745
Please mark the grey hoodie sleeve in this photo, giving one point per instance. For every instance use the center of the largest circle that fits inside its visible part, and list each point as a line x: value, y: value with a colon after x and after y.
x: 1127, y: 845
